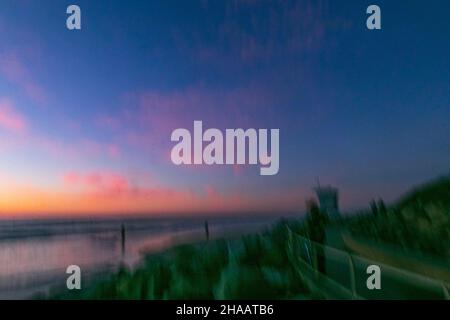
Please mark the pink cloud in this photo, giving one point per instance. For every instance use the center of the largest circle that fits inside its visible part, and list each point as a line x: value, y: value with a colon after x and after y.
x: 70, y: 178
x: 238, y: 169
x: 11, y: 120
x: 276, y: 29
x: 12, y: 69
x: 104, y: 191
x: 168, y: 110
x: 148, y: 118
x: 211, y: 192
x: 112, y: 185
x: 113, y: 150
x: 100, y: 182
x: 75, y: 150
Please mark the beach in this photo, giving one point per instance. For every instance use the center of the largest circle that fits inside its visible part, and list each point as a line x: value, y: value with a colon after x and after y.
x: 36, y: 253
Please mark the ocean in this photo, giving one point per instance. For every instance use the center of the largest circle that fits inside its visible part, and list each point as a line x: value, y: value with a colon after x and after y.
x: 34, y: 254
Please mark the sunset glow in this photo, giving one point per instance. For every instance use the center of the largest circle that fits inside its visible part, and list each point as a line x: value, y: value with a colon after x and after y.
x: 86, y: 117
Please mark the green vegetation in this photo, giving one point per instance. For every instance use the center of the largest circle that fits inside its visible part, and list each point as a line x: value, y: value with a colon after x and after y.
x: 252, y: 267
x: 420, y: 221
x: 258, y: 266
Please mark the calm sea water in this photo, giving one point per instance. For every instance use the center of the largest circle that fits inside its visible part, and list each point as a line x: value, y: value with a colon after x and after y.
x: 34, y: 254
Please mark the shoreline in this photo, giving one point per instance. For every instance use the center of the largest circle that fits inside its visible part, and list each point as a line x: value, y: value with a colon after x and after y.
x: 235, y: 266
x: 31, y: 284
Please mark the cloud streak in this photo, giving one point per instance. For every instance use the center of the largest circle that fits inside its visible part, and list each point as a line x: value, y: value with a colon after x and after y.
x: 253, y: 32
x: 109, y: 192
x: 10, y: 119
x: 14, y: 70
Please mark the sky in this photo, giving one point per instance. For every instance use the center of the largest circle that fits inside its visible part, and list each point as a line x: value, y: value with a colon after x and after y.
x: 86, y: 115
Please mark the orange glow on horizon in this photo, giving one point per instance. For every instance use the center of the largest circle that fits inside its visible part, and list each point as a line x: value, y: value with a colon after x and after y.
x: 30, y: 201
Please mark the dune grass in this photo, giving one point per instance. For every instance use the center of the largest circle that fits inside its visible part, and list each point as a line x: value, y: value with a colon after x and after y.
x: 253, y: 267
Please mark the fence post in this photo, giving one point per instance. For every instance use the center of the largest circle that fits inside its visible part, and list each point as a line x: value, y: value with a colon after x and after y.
x: 444, y: 288
x: 352, y: 274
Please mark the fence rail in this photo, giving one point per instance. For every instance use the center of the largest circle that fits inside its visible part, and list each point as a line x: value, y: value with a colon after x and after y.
x: 339, y: 274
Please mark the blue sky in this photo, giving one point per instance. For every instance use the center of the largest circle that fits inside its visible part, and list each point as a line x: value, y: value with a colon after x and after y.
x: 89, y: 112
